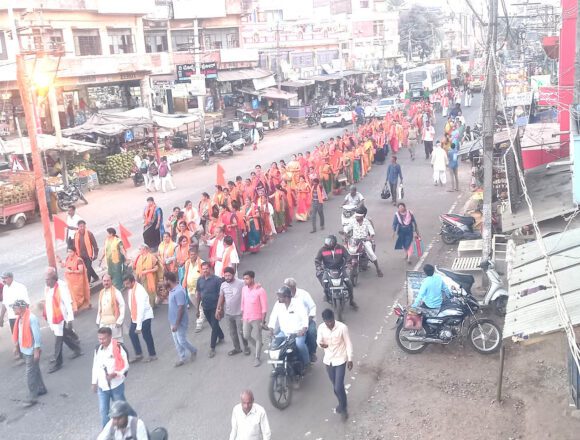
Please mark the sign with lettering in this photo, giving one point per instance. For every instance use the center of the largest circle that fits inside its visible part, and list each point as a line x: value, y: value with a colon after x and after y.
x: 209, y: 70
x: 184, y: 72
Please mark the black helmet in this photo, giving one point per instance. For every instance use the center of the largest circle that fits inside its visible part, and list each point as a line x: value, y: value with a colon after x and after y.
x: 330, y: 241
x: 285, y: 292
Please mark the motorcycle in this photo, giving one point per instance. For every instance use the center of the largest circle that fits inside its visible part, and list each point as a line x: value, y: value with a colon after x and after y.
x: 314, y: 118
x: 347, y: 216
x: 337, y: 291
x: 203, y: 154
x: 67, y: 196
x: 287, y: 370
x: 238, y: 144
x: 455, y: 227
x: 496, y: 295
x: 219, y: 145
x: 415, y: 332
x: 359, y: 259
x: 137, y: 176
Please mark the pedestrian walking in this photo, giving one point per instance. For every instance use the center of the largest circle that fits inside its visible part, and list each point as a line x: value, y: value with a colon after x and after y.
x: 72, y: 221
x: 394, y: 174
x: 428, y: 137
x: 111, y: 309
x: 439, y: 163
x: 249, y: 420
x: 318, y: 197
x: 255, y: 137
x: 334, y: 339
x: 141, y: 319
x: 166, y: 175
x: 190, y: 277
x: 28, y: 342
x: 230, y: 307
x: 87, y: 248
x: 453, y: 164
x: 59, y: 315
x: 11, y: 292
x: 254, y: 310
x: 413, y: 135
x: 405, y: 226
x: 178, y: 318
x: 152, y: 175
x: 310, y: 306
x: 76, y: 278
x: 153, y: 227
x: 110, y: 367
x: 208, y: 293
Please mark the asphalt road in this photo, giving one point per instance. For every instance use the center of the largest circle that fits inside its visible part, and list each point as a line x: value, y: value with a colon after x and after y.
x: 195, y: 401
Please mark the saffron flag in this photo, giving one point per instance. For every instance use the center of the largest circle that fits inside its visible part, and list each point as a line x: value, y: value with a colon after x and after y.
x: 125, y: 234
x: 221, y: 176
x: 59, y: 228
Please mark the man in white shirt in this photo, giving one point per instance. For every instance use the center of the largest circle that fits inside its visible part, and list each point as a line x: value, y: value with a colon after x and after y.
x: 141, y: 318
x: 333, y: 337
x: 439, y: 162
x: 222, y: 253
x: 428, y: 137
x: 249, y: 420
x: 72, y: 221
x: 59, y: 315
x: 123, y: 426
x: 12, y: 292
x: 362, y: 229
x: 310, y: 306
x: 111, y: 308
x: 110, y: 367
x: 354, y: 198
x: 291, y: 318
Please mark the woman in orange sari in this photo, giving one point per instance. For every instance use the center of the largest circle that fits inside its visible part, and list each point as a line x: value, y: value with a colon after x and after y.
x: 304, y: 199
x: 147, y: 269
x: 166, y: 252
x: 252, y: 219
x: 181, y: 256
x: 77, y: 281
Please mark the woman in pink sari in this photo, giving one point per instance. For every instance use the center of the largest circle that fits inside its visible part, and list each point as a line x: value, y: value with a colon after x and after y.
x: 304, y: 199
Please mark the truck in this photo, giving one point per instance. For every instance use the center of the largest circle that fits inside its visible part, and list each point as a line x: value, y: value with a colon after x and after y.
x: 453, y: 67
x: 17, y: 198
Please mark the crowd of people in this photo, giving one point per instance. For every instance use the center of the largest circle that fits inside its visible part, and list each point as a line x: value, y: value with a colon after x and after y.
x: 240, y: 217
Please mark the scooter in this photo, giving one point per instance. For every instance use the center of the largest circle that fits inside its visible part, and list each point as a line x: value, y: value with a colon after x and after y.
x: 455, y: 227
x: 238, y: 144
x: 496, y: 295
x: 217, y: 146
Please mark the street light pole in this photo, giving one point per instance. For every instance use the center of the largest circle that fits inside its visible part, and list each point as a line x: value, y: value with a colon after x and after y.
x: 25, y: 96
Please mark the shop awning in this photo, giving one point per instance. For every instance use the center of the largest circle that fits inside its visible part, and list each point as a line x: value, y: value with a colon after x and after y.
x: 242, y: 74
x: 531, y: 308
x: 346, y: 73
x: 264, y: 83
x: 163, y: 120
x: 47, y: 142
x: 469, y: 146
x: 274, y: 93
x: 324, y: 78
x: 298, y: 83
x: 550, y: 190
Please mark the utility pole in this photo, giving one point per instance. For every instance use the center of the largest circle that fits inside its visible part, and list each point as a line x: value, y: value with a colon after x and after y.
x: 489, y: 113
x: 197, y: 60
x: 409, y: 47
x: 25, y: 96
x: 278, y: 67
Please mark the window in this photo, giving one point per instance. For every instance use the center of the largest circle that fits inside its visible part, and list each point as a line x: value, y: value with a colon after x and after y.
x: 379, y: 29
x: 3, y: 51
x: 87, y: 42
x: 120, y: 41
x: 227, y: 38
x: 364, y: 4
x: 37, y: 39
x: 182, y: 41
x: 156, y: 42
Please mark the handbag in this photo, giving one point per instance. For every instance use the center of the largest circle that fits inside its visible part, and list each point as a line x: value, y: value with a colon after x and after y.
x: 400, y: 192
x: 418, y: 247
x: 386, y: 193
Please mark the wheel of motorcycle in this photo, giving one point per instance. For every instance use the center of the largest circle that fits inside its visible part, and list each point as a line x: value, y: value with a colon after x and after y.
x: 231, y: 152
x: 448, y: 239
x: 280, y: 391
x: 500, y: 305
x: 484, y: 336
x: 408, y: 346
x: 338, y: 307
x: 62, y: 205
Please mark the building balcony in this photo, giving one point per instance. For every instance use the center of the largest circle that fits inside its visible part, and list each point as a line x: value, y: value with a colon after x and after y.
x: 74, y: 66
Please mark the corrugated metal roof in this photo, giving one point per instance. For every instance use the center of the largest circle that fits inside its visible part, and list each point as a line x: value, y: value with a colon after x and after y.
x: 324, y: 78
x: 242, y: 74
x: 274, y: 93
x: 531, y: 307
x: 298, y: 83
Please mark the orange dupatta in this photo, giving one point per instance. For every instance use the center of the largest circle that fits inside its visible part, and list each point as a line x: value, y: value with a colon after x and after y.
x: 26, y: 330
x: 133, y: 305
x: 57, y: 316
x: 149, y: 214
x: 144, y: 263
x: 113, y: 301
x: 87, y: 242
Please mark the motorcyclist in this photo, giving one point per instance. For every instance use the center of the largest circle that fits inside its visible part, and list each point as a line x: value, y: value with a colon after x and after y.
x: 360, y: 113
x: 354, y: 198
x: 362, y: 229
x: 333, y: 256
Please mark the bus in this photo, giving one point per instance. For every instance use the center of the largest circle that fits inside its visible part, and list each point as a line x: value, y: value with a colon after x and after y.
x: 431, y: 77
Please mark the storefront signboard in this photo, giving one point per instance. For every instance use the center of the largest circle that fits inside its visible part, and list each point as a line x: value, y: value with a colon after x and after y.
x: 184, y: 72
x: 209, y: 70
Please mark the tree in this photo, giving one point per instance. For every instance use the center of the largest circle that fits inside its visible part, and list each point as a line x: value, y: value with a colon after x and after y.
x: 396, y: 4
x: 421, y: 26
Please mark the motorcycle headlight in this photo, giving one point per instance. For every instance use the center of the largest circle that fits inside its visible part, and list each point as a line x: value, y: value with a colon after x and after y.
x: 336, y: 282
x: 274, y: 354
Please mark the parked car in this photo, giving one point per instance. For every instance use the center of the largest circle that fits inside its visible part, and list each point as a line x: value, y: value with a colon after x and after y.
x: 336, y: 115
x: 387, y: 105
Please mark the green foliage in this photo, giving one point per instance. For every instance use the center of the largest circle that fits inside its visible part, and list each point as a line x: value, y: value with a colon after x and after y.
x: 421, y: 25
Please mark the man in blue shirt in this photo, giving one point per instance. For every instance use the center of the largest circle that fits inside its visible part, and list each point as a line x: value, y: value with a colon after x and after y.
x: 208, y: 293
x: 394, y: 173
x: 430, y: 296
x: 178, y: 319
x: 26, y: 337
x: 453, y: 165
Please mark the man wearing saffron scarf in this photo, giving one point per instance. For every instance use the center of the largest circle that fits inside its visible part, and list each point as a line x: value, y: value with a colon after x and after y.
x: 26, y: 338
x: 141, y: 318
x: 59, y: 314
x: 111, y: 309
x: 110, y: 366
x: 87, y: 248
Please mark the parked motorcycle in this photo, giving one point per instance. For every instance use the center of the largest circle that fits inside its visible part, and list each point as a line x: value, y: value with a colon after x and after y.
x: 415, y: 332
x: 218, y: 144
x: 314, y: 118
x: 455, y: 227
x: 287, y: 370
x: 496, y: 295
x: 338, y: 292
x: 203, y: 153
x: 238, y: 144
x: 67, y: 196
x: 137, y: 176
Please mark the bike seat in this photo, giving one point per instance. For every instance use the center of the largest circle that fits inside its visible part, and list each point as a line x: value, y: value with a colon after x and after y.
x: 464, y: 280
x: 465, y: 219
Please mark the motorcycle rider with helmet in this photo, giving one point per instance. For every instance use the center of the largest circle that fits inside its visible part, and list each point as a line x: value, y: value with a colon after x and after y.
x: 333, y: 256
x: 362, y: 229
